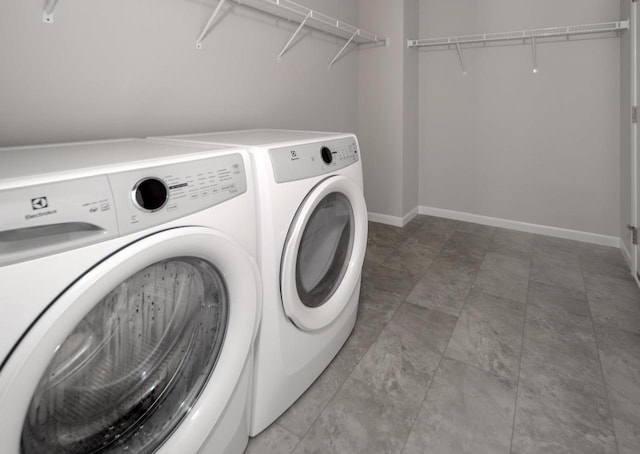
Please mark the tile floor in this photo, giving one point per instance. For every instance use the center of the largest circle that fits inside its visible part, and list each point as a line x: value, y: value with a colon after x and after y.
x: 474, y: 339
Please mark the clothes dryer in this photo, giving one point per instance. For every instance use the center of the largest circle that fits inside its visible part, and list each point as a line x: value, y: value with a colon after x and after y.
x: 130, y: 298
x: 312, y: 240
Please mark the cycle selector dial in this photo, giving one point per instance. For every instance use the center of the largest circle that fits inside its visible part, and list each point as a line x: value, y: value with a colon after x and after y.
x: 326, y: 154
x: 150, y: 194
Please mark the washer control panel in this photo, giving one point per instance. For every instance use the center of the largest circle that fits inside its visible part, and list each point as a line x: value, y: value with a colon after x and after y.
x: 156, y: 195
x: 43, y: 219
x: 307, y: 160
x: 46, y: 218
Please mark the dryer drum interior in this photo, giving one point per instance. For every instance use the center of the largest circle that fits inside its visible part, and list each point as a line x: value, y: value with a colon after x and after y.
x: 134, y: 366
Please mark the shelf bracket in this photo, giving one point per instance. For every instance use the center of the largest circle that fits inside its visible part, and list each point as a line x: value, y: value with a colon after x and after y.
x: 207, y: 27
x: 461, y: 58
x: 286, y: 46
x: 344, y: 48
x: 47, y: 13
x: 535, y: 56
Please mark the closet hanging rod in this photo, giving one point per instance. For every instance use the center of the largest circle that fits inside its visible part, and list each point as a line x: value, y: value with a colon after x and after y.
x: 286, y: 9
x: 524, y: 34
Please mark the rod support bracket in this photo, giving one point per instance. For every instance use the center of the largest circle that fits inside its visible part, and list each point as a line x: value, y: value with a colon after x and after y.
x: 47, y: 13
x: 534, y: 55
x: 286, y: 46
x: 207, y: 27
x: 461, y: 58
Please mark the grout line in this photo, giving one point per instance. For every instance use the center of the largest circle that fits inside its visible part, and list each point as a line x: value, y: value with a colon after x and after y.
x: 595, y: 338
x: 524, y: 332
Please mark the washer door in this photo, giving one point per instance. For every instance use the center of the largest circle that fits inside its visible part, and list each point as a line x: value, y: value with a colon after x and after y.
x: 142, y: 351
x: 324, y: 252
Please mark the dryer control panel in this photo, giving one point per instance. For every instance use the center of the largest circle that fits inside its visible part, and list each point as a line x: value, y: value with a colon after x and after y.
x: 297, y: 162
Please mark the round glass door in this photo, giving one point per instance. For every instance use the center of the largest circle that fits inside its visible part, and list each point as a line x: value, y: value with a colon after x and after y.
x: 134, y: 365
x: 325, y: 250
x: 323, y: 254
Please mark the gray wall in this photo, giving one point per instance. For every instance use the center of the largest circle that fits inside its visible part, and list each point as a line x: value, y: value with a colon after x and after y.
x: 411, y: 171
x: 380, y: 107
x: 388, y: 110
x: 502, y: 142
x: 117, y: 68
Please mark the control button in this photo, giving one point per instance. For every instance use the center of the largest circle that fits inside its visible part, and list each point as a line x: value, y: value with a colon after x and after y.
x: 194, y: 195
x: 327, y: 157
x: 172, y: 207
x: 150, y: 194
x: 204, y: 193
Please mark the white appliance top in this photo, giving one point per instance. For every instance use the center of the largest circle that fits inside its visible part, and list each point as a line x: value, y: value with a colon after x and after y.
x: 23, y: 165
x: 257, y: 137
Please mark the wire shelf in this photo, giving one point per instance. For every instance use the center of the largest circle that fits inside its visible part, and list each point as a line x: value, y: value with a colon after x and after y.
x: 292, y: 11
x: 524, y: 34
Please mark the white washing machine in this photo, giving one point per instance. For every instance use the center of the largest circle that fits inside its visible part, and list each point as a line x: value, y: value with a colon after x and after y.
x: 130, y: 298
x: 312, y: 241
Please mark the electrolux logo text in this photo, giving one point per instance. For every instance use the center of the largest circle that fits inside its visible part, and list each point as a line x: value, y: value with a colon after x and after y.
x: 39, y: 203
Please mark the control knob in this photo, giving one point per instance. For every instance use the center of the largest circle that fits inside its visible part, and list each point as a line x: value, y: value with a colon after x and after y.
x: 150, y: 194
x: 327, y: 156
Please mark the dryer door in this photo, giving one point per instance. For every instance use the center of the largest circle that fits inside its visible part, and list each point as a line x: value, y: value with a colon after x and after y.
x: 324, y: 252
x: 141, y: 354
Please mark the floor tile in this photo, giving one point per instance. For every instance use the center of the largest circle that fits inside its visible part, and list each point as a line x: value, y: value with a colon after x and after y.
x: 466, y: 411
x: 559, y: 414
x: 488, y: 335
x: 504, y: 276
x: 446, y: 284
x: 433, y: 232
x: 563, y: 348
x: 382, y: 241
x: 412, y: 257
x: 554, y: 302
x: 614, y: 302
x: 466, y: 246
x: 358, y: 420
x: 554, y: 245
x: 485, y: 231
x: 406, y: 354
x: 628, y: 437
x: 440, y: 225
x: 394, y: 279
x: 512, y: 243
x: 378, y: 300
x: 273, y: 440
x: 604, y: 261
x: 620, y: 357
x: 557, y: 268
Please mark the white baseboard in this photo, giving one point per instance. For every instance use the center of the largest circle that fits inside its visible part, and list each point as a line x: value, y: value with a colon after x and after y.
x: 408, y: 217
x: 396, y: 221
x: 558, y: 232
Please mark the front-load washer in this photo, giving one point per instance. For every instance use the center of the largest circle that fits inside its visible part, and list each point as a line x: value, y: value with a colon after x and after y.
x: 312, y: 242
x: 131, y: 298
